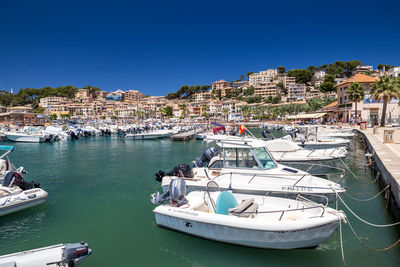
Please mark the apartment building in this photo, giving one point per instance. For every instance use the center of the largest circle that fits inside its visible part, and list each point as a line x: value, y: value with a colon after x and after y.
x: 296, y: 92
x: 240, y: 84
x: 51, y: 101
x: 219, y: 85
x: 266, y: 89
x: 288, y: 80
x: 200, y: 97
x: 362, y: 69
x: 82, y: 93
x: 263, y: 77
x: 133, y: 96
x: 313, y: 93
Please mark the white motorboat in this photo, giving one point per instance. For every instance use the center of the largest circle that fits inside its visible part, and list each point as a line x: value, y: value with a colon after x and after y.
x: 248, y: 220
x: 66, y: 255
x: 25, y: 137
x: 17, y: 194
x: 284, y: 150
x: 248, y: 167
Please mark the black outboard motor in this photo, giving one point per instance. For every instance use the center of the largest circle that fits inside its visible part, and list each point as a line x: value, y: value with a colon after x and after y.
x: 208, y: 154
x: 15, y: 178
x: 176, y: 194
x: 182, y: 170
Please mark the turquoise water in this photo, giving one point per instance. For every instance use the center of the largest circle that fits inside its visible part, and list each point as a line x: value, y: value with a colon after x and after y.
x: 99, y: 192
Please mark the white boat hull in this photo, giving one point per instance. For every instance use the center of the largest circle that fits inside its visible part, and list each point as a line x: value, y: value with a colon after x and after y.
x: 30, y: 198
x: 25, y: 138
x: 304, y: 238
x: 142, y: 136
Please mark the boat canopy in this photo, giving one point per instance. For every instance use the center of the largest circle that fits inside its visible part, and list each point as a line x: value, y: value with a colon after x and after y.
x: 7, y: 148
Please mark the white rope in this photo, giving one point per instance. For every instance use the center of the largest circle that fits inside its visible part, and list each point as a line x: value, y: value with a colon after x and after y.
x: 368, y: 199
x: 361, y: 219
x: 355, y: 176
x: 365, y: 245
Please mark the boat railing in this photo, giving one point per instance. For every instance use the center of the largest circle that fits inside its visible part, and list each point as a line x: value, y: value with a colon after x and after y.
x: 301, y: 197
x: 316, y: 206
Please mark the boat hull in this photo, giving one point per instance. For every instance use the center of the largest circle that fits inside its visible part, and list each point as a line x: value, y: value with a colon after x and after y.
x: 31, y: 201
x: 25, y: 138
x: 290, y: 239
x: 143, y: 136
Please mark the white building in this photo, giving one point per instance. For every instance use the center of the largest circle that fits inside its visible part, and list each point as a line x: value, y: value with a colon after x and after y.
x: 51, y: 101
x: 319, y: 75
x: 263, y: 77
x: 394, y: 72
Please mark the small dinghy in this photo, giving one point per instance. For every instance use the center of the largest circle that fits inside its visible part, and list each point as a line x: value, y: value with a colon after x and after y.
x: 247, y: 220
x: 66, y: 255
x: 17, y: 194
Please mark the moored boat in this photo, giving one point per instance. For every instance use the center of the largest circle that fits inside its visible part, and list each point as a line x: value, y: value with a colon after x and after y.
x: 66, y: 255
x: 247, y: 220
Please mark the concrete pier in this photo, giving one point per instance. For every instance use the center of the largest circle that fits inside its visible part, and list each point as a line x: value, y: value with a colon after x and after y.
x: 386, y: 158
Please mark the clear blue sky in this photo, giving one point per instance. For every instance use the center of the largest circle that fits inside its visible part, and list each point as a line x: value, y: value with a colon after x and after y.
x: 157, y: 46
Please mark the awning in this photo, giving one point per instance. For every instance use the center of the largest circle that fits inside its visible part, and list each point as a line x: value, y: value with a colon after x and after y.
x: 307, y: 116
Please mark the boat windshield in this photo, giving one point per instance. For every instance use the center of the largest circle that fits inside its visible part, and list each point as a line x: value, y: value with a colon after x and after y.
x: 255, y: 158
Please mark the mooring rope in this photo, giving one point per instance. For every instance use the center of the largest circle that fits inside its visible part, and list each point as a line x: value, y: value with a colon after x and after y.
x: 368, y: 199
x: 361, y: 219
x: 355, y: 176
x: 366, y: 246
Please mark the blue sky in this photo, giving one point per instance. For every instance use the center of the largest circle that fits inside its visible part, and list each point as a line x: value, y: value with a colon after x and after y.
x: 157, y: 46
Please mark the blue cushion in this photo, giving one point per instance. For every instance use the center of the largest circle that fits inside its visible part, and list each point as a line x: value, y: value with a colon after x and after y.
x: 225, y: 201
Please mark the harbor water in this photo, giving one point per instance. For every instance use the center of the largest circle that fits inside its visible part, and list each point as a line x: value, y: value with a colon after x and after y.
x: 99, y: 191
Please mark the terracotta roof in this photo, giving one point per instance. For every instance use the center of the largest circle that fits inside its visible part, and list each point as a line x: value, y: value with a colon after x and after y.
x: 358, y: 78
x: 330, y: 106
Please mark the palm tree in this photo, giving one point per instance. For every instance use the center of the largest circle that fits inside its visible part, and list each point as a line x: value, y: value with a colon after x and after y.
x: 183, y: 109
x: 356, y: 94
x: 226, y: 111
x: 385, y: 89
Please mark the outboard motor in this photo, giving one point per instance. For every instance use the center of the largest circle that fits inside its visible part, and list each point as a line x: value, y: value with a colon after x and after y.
x: 182, y: 170
x: 264, y: 134
x: 176, y: 194
x: 76, y: 253
x: 208, y: 154
x: 15, y: 178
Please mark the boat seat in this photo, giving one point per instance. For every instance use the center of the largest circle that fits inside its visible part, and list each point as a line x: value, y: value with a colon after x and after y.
x: 225, y: 202
x: 245, y: 208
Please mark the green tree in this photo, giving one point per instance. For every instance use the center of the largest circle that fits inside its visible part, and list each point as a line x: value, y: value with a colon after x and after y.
x: 384, y: 90
x: 327, y: 87
x: 330, y: 78
x: 53, y: 117
x: 226, y: 112
x: 281, y: 69
x: 249, y: 91
x: 356, y: 94
x: 249, y: 73
x: 301, y: 75
x: 281, y: 85
x: 167, y: 111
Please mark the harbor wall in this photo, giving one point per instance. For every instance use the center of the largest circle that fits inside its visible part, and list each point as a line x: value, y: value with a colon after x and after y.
x: 386, y: 177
